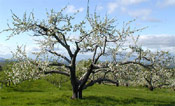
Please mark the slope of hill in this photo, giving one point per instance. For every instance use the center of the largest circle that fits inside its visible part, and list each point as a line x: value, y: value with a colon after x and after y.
x: 42, y: 93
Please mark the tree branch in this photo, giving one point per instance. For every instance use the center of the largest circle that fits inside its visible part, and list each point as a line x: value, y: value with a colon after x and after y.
x: 96, y: 47
x: 85, y: 36
x: 42, y: 27
x: 59, y: 55
x: 132, y: 62
x: 100, y: 66
x: 75, y: 53
x: 99, y: 80
x: 57, y: 72
x: 62, y: 35
x: 86, y: 77
x: 59, y: 64
x: 67, y: 47
x: 104, y: 46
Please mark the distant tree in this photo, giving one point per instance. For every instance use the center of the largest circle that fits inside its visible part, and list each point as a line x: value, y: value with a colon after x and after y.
x: 94, y: 36
x: 155, y: 67
x: 157, y: 71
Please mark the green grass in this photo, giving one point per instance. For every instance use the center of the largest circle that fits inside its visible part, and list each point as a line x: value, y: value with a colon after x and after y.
x: 43, y: 93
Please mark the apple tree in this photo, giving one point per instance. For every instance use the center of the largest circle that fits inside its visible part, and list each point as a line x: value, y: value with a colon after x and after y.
x: 64, y: 38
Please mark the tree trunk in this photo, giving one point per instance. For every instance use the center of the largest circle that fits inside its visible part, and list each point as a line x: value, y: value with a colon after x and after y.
x: 74, y: 90
x: 80, y: 94
x: 74, y: 83
x: 74, y: 95
x: 77, y: 94
x: 117, y: 83
x: 126, y: 84
x: 151, y: 88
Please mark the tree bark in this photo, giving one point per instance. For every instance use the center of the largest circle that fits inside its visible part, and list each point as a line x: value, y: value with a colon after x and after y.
x: 117, y: 83
x: 74, y: 88
x: 77, y: 95
x: 80, y: 96
x: 74, y: 94
x: 151, y: 88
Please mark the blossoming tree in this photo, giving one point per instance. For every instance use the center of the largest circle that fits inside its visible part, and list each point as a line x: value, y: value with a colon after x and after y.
x: 93, y: 35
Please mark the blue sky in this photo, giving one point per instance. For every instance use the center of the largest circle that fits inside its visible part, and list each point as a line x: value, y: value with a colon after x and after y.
x: 158, y: 15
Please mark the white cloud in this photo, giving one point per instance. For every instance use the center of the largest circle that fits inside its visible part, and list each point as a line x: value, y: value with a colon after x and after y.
x: 124, y: 7
x: 131, y: 2
x: 112, y: 6
x: 99, y: 8
x: 72, y: 9
x: 158, y: 42
x: 6, y: 50
x: 141, y: 12
x: 151, y: 19
x: 166, y: 3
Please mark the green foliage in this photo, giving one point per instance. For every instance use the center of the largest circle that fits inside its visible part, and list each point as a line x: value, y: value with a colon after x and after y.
x: 43, y: 93
x: 4, y: 79
x: 57, y: 80
x: 82, y: 67
x: 2, y: 75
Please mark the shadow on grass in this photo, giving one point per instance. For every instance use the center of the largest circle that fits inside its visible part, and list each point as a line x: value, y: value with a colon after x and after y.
x: 99, y: 101
x: 108, y: 100
x: 105, y: 101
x: 150, y: 101
x: 24, y: 90
x: 16, y: 89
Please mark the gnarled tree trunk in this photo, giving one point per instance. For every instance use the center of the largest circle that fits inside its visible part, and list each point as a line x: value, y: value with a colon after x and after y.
x: 76, y: 93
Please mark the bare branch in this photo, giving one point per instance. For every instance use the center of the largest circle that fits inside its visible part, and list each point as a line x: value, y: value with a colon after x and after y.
x: 148, y: 81
x: 99, y: 80
x: 59, y: 64
x: 59, y: 55
x: 67, y: 47
x: 73, y: 60
x: 95, y: 51
x: 86, y: 77
x: 60, y: 32
x: 57, y: 72
x: 132, y: 62
x: 42, y: 27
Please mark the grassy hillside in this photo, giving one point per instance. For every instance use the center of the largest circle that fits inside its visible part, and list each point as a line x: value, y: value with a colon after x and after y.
x: 43, y: 93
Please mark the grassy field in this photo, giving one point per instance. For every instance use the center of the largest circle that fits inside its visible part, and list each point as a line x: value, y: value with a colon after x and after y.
x: 43, y: 93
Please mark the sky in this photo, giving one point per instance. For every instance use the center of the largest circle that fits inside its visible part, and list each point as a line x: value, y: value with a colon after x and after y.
x: 157, y: 15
